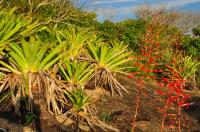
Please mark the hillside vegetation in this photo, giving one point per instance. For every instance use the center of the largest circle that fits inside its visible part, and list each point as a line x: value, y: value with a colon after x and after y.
x: 55, y: 57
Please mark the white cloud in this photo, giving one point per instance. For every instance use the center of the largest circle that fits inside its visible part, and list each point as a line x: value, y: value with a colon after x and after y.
x: 173, y: 3
x: 122, y: 10
x: 111, y: 13
x: 165, y: 2
x: 105, y: 8
x: 181, y: 2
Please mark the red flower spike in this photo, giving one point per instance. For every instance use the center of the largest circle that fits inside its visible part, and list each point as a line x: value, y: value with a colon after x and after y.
x: 178, y: 84
x: 178, y: 91
x: 170, y: 85
x: 142, y: 68
x: 180, y: 103
x: 173, y: 98
x: 170, y: 101
x: 131, y: 76
x: 148, y: 71
x: 136, y: 64
x: 157, y: 44
x: 155, y: 70
x: 160, y: 92
x: 135, y: 73
x: 140, y: 58
x: 156, y: 64
x: 161, y: 84
x: 153, y: 77
x: 151, y: 59
x: 172, y: 126
x: 162, y: 109
x: 186, y: 96
x: 165, y: 79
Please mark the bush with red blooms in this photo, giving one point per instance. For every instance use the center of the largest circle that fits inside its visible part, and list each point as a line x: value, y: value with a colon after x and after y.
x: 170, y: 82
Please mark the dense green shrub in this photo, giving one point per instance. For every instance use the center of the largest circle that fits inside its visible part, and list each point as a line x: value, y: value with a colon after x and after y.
x: 56, y: 12
x: 196, y: 31
x: 129, y: 31
x: 191, y: 46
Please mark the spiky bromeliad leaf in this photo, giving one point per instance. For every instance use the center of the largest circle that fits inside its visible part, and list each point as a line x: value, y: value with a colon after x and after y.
x: 13, y: 27
x: 32, y: 56
x: 77, y: 74
x: 74, y: 41
x: 78, y: 98
x: 27, y: 65
x: 189, y: 66
x: 109, y: 60
x: 81, y: 112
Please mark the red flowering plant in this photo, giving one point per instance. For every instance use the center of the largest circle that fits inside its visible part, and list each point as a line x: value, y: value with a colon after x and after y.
x: 145, y: 64
x: 152, y: 64
x: 175, y: 97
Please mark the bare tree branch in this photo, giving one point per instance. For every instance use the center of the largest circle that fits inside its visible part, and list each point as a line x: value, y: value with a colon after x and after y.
x: 43, y: 3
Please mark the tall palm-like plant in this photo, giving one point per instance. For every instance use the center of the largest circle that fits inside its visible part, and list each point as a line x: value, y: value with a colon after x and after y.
x: 27, y: 67
x: 108, y: 61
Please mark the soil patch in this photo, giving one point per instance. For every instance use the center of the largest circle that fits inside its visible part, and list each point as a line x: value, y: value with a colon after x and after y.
x: 119, y: 111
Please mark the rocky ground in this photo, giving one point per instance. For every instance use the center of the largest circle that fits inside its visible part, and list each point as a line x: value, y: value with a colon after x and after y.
x: 118, y: 111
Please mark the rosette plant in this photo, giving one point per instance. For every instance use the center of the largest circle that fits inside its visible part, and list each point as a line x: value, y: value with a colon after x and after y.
x: 27, y: 68
x: 81, y: 113
x: 76, y: 74
x: 109, y: 61
x: 75, y: 71
x: 75, y: 41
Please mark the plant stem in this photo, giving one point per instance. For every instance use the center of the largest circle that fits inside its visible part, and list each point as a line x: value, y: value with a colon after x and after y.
x: 179, y: 117
x: 164, y: 116
x: 136, y: 110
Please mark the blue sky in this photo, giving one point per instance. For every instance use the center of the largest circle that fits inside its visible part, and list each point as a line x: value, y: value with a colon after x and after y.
x: 119, y: 10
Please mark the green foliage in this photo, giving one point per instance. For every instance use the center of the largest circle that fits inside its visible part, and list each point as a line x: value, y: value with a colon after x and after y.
x: 106, y: 116
x: 58, y: 13
x: 191, y: 46
x: 129, y: 31
x: 34, y: 38
x: 76, y: 73
x: 13, y: 27
x: 22, y: 5
x: 108, y: 61
x: 198, y: 76
x: 132, y: 31
x: 108, y: 58
x: 29, y: 118
x: 4, y: 96
x: 32, y: 56
x: 30, y: 53
x: 196, y: 31
x: 74, y: 40
x: 189, y: 66
x: 25, y: 62
x: 79, y: 99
